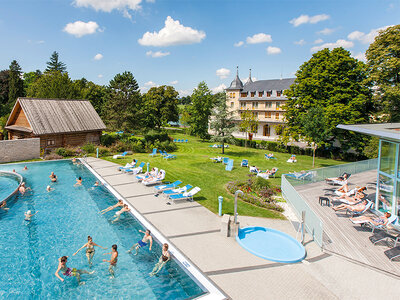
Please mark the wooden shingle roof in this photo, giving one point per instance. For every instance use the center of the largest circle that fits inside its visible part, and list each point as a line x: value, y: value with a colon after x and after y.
x: 51, y: 116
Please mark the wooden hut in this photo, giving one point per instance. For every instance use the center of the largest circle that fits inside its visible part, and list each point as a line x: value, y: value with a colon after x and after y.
x: 57, y: 122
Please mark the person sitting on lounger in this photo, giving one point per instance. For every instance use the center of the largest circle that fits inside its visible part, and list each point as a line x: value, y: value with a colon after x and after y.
x: 216, y: 159
x: 159, y: 176
x: 351, y: 199
x: 292, y: 159
x: 120, y: 203
x: 356, y: 207
x: 345, y: 191
x: 128, y: 165
x: 377, y: 221
x: 342, y: 179
x: 254, y: 169
x: 270, y: 155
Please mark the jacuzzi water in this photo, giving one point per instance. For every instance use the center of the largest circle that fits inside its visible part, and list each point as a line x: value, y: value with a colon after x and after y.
x: 8, y: 184
x: 66, y: 216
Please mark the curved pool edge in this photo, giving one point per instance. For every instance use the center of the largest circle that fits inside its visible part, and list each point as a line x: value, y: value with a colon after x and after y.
x: 252, y: 251
x: 21, y: 179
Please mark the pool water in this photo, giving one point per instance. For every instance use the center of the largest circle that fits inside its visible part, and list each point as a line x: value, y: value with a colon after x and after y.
x: 8, y: 184
x: 66, y: 216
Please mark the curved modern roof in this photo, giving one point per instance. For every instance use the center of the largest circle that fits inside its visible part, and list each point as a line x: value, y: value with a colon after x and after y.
x: 269, y: 85
x: 389, y: 131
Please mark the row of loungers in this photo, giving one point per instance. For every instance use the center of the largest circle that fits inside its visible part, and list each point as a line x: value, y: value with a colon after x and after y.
x: 173, y: 192
x: 383, y: 234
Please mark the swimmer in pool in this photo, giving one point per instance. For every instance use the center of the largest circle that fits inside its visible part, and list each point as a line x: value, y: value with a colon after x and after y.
x: 49, y: 188
x: 120, y: 212
x: 68, y: 272
x: 25, y: 168
x: 164, y: 258
x: 147, y: 239
x: 29, y: 215
x: 78, y: 181
x: 113, y: 261
x: 89, y: 249
x: 120, y: 203
x: 3, y: 206
x: 96, y: 183
x: 53, y: 177
x: 22, y: 188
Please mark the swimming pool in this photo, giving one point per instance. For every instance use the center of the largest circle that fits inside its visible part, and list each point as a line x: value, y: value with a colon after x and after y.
x: 8, y: 184
x: 66, y: 216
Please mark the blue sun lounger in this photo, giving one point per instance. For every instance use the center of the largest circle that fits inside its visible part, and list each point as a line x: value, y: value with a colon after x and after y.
x: 142, y: 164
x: 229, y: 165
x: 178, y: 190
x: 154, y: 153
x: 165, y: 187
x: 185, y: 196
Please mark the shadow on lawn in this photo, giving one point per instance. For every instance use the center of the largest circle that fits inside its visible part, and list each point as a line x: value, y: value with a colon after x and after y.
x: 241, y: 154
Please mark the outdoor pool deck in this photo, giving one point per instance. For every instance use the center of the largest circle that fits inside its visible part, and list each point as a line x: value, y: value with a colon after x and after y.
x: 196, y: 232
x: 341, y: 236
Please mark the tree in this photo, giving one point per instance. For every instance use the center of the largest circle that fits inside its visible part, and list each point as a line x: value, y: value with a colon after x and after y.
x: 53, y: 85
x: 200, y: 110
x: 337, y: 83
x: 16, y: 84
x: 383, y: 59
x: 248, y: 124
x: 122, y: 109
x: 160, y: 105
x: 314, y: 128
x: 29, y: 78
x: 4, y: 84
x: 96, y: 94
x: 222, y: 122
x: 54, y: 65
x: 185, y: 100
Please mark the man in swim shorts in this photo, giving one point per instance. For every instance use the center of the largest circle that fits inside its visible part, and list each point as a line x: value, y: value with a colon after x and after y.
x: 147, y: 239
x: 113, y: 261
x: 53, y: 177
x: 68, y: 272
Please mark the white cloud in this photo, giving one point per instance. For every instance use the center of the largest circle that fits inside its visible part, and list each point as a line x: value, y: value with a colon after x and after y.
x: 326, y: 31
x: 173, y: 33
x: 109, y: 5
x: 100, y: 75
x: 184, y: 93
x: 238, y: 44
x: 150, y: 1
x: 338, y: 43
x: 259, y: 38
x: 79, y: 28
x: 98, y: 56
x: 174, y: 82
x: 300, y: 43
x: 150, y: 84
x: 318, y: 41
x: 218, y: 89
x: 157, y: 54
x: 273, y: 50
x: 223, y: 73
x: 360, y: 56
x: 366, y: 38
x: 304, y: 19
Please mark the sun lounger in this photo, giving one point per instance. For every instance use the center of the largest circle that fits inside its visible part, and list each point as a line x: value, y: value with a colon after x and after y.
x: 154, y: 153
x: 162, y: 154
x: 391, y: 220
x: 177, y: 191
x: 185, y: 196
x: 120, y: 155
x: 170, y: 156
x: 244, y: 163
x: 127, y: 166
x: 225, y: 160
x: 229, y: 165
x: 339, y: 182
x: 186, y: 141
x: 158, y: 179
x: 175, y: 140
x: 393, y: 253
x: 384, y: 236
x: 359, y: 213
x: 216, y: 159
x: 165, y: 187
x: 136, y: 170
x: 269, y: 157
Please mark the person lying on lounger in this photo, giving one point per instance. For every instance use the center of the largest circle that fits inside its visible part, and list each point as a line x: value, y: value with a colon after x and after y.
x: 344, y: 189
x: 292, y: 159
x: 352, y: 199
x: 254, y: 169
x: 342, y: 179
x: 159, y: 176
x: 377, y: 221
x: 357, y: 207
x: 216, y: 159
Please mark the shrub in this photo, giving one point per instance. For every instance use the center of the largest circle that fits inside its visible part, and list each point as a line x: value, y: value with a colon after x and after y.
x: 61, y: 152
x: 152, y: 136
x: 103, y: 151
x: 89, y: 148
x: 52, y: 156
x: 107, y: 139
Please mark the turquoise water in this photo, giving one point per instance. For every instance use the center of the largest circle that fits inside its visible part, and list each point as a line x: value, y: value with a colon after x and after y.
x: 8, y: 184
x: 66, y: 216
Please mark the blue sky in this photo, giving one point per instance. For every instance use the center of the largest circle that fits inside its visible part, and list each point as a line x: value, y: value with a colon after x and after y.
x: 184, y: 42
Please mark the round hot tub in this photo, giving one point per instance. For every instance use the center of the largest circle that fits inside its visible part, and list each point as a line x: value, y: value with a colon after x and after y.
x: 271, y: 244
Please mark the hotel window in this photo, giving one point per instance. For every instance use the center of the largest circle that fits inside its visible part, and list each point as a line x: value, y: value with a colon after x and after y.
x: 268, y: 114
x: 243, y: 94
x: 268, y: 104
x: 50, y: 142
x: 278, y: 93
x: 260, y: 94
x: 255, y: 105
x: 278, y: 105
x: 243, y: 105
x: 253, y: 94
x: 277, y: 116
x: 231, y: 104
x: 269, y: 93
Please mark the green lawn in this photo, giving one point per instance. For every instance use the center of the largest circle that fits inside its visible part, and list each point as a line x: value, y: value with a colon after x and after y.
x: 193, y: 166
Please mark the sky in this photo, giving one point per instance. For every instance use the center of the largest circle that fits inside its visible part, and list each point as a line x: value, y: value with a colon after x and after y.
x: 180, y: 43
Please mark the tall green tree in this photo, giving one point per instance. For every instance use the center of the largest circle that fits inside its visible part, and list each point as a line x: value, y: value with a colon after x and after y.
x: 248, y: 123
x: 222, y: 122
x: 16, y: 84
x: 29, y: 78
x: 4, y: 87
x: 383, y: 59
x: 122, y: 109
x: 53, y: 85
x: 337, y: 83
x: 96, y: 94
x: 160, y: 105
x: 200, y: 110
x: 55, y: 65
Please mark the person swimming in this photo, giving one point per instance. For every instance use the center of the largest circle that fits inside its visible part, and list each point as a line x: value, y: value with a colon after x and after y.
x: 96, y: 183
x: 118, y: 213
x: 29, y: 215
x: 78, y: 181
x: 3, y: 206
x: 89, y: 249
x: 164, y: 258
x: 68, y: 272
x: 113, y: 261
x: 119, y: 203
x: 53, y: 177
x: 147, y: 238
x: 49, y: 188
x: 25, y: 168
x: 22, y: 188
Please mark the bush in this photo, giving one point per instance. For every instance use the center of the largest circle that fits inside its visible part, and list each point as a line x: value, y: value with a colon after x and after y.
x: 52, y: 156
x: 61, y: 152
x: 68, y: 151
x: 104, y: 151
x: 152, y: 136
x: 108, y: 139
x: 89, y: 148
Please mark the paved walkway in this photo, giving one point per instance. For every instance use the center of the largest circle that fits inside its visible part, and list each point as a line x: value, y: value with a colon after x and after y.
x: 196, y: 232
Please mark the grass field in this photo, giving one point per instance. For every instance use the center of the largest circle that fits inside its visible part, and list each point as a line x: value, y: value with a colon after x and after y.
x: 193, y: 166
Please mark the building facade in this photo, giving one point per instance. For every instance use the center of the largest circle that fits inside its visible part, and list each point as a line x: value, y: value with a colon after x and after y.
x: 264, y: 98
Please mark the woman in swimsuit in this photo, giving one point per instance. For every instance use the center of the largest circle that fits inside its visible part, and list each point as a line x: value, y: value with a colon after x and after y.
x: 120, y: 212
x: 89, y: 249
x: 78, y: 181
x: 143, y: 242
x: 164, y: 258
x: 68, y: 272
x: 120, y: 203
x: 29, y: 215
x: 376, y: 221
x: 53, y: 177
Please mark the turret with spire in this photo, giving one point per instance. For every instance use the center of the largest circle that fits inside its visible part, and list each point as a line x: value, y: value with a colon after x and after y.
x: 236, y: 84
x: 249, y: 80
